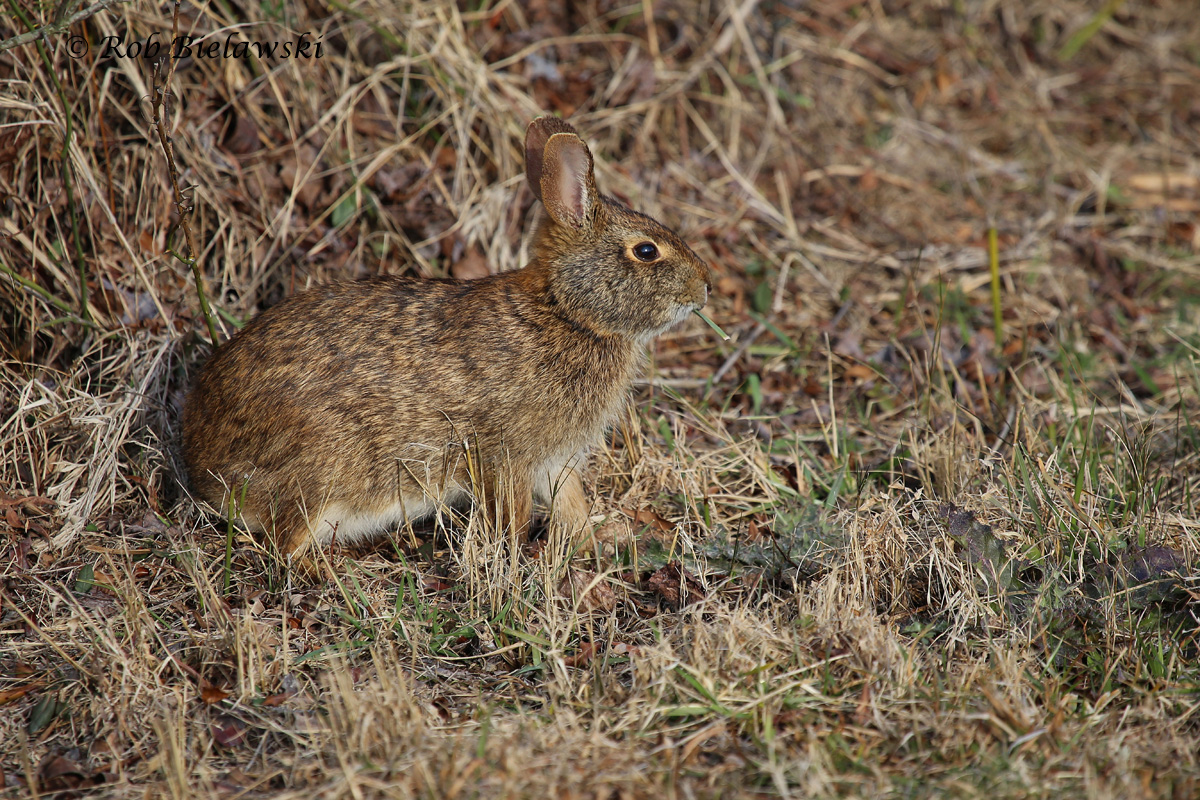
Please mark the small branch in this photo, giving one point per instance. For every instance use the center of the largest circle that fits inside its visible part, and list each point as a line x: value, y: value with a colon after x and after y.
x: 37, y: 289
x: 159, y: 105
x: 56, y: 27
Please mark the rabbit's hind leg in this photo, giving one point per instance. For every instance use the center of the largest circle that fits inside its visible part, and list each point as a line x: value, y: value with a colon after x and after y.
x: 509, y: 503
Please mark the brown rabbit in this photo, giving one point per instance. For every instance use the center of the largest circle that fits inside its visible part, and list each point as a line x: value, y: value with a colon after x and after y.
x: 354, y: 406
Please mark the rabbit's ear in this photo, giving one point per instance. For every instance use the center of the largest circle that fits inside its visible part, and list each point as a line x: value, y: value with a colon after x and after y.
x: 568, y: 182
x: 536, y: 136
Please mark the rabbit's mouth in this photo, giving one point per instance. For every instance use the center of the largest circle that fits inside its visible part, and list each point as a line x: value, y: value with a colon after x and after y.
x: 685, y: 310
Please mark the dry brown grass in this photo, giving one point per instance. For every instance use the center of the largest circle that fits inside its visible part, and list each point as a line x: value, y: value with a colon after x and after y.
x: 827, y: 625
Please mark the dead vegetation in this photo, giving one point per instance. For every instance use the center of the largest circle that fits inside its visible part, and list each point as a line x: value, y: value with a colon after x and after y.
x: 899, y: 535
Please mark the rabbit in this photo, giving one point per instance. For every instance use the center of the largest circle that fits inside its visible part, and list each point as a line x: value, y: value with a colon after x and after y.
x: 352, y: 407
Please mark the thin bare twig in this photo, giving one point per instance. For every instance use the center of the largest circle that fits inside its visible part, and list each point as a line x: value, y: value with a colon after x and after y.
x: 183, y: 206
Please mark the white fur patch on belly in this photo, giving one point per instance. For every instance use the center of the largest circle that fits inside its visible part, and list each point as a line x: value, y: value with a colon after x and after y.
x: 347, y: 524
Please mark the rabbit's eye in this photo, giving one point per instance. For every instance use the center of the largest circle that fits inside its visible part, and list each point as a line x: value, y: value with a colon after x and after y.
x: 646, y: 251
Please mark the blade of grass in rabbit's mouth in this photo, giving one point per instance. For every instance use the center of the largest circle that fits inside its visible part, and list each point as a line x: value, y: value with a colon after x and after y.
x: 713, y: 325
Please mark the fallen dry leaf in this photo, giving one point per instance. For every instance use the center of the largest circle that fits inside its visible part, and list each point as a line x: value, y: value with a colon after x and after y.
x: 625, y: 649
x: 64, y: 778
x: 583, y: 656
x: 431, y: 583
x: 582, y: 587
x: 17, y: 692
x: 862, y: 714
x: 229, y: 732
x: 676, y: 585
x: 859, y: 372
x: 211, y: 695
x: 643, y: 517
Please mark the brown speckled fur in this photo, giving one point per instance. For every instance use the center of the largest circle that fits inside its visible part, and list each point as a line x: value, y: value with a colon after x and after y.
x: 349, y: 407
